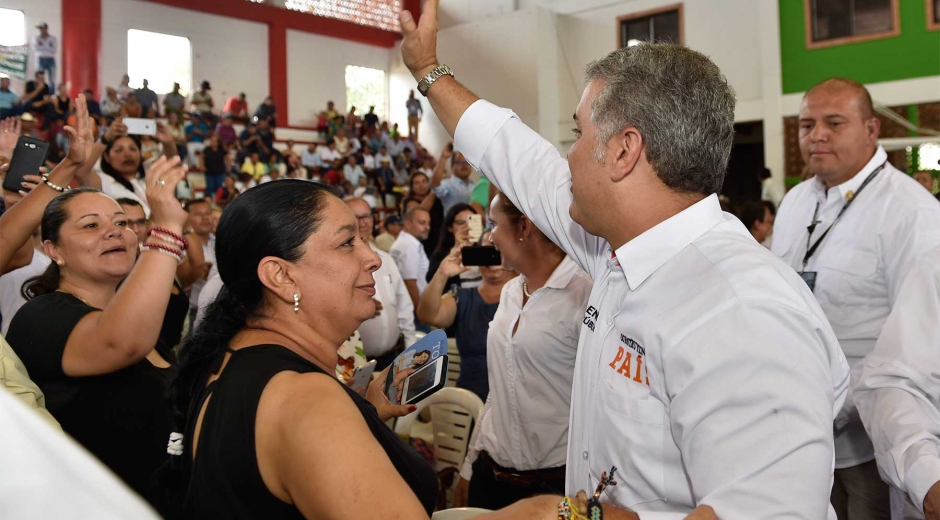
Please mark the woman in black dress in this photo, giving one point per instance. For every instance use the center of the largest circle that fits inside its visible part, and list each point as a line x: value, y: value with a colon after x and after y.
x: 269, y: 431
x: 89, y: 345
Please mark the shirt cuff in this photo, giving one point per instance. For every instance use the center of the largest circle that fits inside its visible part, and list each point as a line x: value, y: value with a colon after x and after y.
x: 924, y: 473
x: 478, y: 125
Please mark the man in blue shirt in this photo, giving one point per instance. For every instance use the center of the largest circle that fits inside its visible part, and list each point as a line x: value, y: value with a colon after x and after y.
x: 458, y: 187
x: 9, y: 102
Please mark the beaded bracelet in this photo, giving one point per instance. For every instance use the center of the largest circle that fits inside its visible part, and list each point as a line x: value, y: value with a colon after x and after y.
x: 56, y: 187
x: 583, y: 508
x: 169, y: 236
x: 169, y: 251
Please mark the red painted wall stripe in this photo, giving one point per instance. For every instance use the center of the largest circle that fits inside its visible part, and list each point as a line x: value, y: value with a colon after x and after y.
x: 277, y: 70
x: 81, y: 44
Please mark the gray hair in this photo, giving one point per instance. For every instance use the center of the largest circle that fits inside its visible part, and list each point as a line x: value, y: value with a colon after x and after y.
x: 681, y: 104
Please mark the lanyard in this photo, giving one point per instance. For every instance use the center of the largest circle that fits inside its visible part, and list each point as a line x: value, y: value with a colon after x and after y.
x: 812, y: 225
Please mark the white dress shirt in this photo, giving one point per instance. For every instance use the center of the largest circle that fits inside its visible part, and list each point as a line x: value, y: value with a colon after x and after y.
x: 380, y: 334
x: 11, y: 299
x: 860, y: 265
x: 524, y: 425
x: 45, y: 47
x: 898, y: 393
x: 706, y: 371
x: 411, y: 259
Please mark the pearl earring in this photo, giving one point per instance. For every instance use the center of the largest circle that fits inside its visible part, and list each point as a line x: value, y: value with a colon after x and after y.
x: 296, y: 303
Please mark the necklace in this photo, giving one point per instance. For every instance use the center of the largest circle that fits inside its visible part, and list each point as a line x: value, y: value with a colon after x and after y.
x: 73, y: 296
x: 525, y: 289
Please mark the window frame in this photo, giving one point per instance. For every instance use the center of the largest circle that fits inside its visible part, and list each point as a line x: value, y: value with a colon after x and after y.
x: 652, y: 12
x: 933, y: 24
x: 189, y: 89
x: 808, y: 28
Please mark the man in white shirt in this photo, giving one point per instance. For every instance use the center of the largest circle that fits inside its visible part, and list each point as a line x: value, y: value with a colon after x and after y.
x: 200, y: 219
x: 706, y: 372
x: 409, y: 254
x: 899, y: 391
x: 11, y: 283
x: 45, y: 47
x: 771, y: 189
x: 352, y: 171
x: 854, y: 231
x: 393, y: 327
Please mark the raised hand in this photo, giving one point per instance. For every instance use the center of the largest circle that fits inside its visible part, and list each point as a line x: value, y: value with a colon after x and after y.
x: 116, y: 129
x: 451, y: 265
x: 419, y: 45
x: 82, y: 136
x: 161, y: 180
x: 163, y: 133
x: 9, y: 134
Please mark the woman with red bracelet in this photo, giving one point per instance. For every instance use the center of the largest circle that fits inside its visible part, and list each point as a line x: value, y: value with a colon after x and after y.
x: 89, y: 345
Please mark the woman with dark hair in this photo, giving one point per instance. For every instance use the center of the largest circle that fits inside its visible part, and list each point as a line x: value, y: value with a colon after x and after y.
x: 265, y: 417
x: 468, y: 311
x: 455, y: 233
x: 90, y: 345
x: 419, y: 189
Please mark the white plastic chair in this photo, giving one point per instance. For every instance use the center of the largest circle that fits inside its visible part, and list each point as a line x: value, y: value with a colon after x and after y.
x: 459, y: 513
x: 453, y: 410
x: 453, y: 362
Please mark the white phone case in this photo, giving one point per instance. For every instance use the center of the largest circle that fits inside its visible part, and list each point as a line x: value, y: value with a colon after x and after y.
x: 138, y: 126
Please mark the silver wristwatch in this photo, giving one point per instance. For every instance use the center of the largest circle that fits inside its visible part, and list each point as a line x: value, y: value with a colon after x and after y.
x: 436, y: 74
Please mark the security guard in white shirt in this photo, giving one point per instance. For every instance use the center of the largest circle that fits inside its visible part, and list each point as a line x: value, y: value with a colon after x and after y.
x: 706, y: 372
x: 898, y: 395
x: 854, y: 232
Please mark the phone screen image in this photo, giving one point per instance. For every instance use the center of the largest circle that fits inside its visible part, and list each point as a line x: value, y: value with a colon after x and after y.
x: 423, y: 380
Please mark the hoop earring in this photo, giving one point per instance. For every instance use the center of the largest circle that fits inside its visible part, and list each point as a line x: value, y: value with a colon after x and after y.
x: 296, y: 303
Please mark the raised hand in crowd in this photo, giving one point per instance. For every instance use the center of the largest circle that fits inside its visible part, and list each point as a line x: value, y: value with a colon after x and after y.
x: 9, y: 134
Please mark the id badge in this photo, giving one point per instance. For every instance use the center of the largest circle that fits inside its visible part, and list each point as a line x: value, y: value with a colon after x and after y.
x: 810, y: 278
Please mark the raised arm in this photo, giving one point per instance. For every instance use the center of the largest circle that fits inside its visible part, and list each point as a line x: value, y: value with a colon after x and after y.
x: 436, y: 308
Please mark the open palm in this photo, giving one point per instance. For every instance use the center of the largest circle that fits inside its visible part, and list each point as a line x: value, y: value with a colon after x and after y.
x: 9, y: 133
x: 81, y: 137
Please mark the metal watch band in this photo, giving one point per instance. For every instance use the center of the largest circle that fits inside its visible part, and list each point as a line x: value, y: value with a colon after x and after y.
x: 436, y: 74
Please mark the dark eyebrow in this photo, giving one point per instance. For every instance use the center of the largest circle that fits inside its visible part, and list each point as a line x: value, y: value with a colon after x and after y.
x: 89, y: 215
x: 349, y: 228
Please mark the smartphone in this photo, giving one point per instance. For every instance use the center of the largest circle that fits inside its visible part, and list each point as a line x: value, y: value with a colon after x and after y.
x: 480, y: 255
x: 139, y: 126
x: 362, y: 377
x: 28, y: 156
x: 425, y: 381
x: 476, y: 228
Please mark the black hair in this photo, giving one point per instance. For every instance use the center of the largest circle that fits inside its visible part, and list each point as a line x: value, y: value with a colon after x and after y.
x: 751, y: 212
x: 190, y: 203
x: 108, y: 169
x: 770, y: 207
x: 53, y: 217
x: 125, y: 201
x: 274, y: 219
x: 765, y: 173
x: 446, y: 242
x: 418, y: 353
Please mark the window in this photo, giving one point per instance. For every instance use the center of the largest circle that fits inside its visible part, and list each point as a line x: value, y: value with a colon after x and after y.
x: 12, y: 28
x: 162, y: 59
x: 834, y: 22
x: 928, y: 157
x: 660, y: 25
x: 933, y: 15
x: 381, y: 14
x: 365, y: 87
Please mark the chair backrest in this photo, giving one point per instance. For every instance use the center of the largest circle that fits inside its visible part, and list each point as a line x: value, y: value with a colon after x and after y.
x: 453, y: 410
x: 460, y: 513
x: 453, y: 362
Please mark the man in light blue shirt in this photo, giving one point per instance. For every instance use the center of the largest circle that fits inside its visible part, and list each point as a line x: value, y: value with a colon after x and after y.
x: 395, y: 146
x: 353, y: 171
x: 311, y: 158
x: 458, y: 187
x: 7, y: 98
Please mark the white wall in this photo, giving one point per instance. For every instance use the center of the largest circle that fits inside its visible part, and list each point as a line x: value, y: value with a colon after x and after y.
x: 37, y: 11
x: 232, y: 54
x: 316, y: 73
x: 495, y: 57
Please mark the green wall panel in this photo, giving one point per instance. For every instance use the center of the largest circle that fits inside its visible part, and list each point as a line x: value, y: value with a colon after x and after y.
x: 913, y: 54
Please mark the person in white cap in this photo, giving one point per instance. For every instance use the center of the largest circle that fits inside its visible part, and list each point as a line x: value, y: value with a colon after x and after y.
x: 706, y: 372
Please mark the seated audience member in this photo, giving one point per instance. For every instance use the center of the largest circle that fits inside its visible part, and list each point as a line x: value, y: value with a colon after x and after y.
x: 292, y: 295
x: 111, y: 106
x: 897, y: 394
x: 9, y: 101
x: 202, y: 103
x: 237, y: 108
x: 456, y: 188
x: 36, y: 94
x: 369, y: 163
x: 532, y: 343
x: 758, y: 219
x: 94, y: 108
x: 409, y: 254
x: 455, y: 234
x: 174, y: 123
x: 419, y: 190
x: 59, y: 107
x: 925, y: 179
x: 390, y: 231
x: 272, y: 175
x: 147, y: 98
x: 342, y: 143
x: 468, y: 311
x: 275, y: 164
x: 329, y: 153
x: 227, y: 192
x: 132, y: 107
x: 213, y: 164
x: 11, y: 298
x: 173, y: 101
x: 386, y: 180
x: 395, y: 146
x: 267, y: 137
x: 405, y: 161
x: 353, y: 171
x: 383, y: 154
x: 200, y: 222
x: 101, y: 354
x: 122, y: 164
x: 311, y: 158
x: 250, y: 141
x: 266, y: 111
x: 197, y: 131
x: 253, y: 166
x: 226, y: 131
x: 392, y: 329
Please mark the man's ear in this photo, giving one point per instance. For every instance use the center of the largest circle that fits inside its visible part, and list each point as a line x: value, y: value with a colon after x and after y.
x: 275, y: 274
x: 873, y: 126
x: 624, y: 149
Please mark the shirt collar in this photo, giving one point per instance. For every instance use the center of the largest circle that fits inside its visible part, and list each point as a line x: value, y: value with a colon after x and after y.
x: 642, y: 256
x: 852, y: 185
x: 563, y: 274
